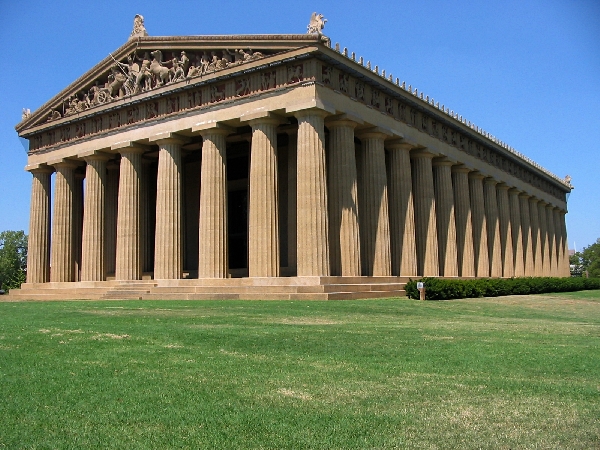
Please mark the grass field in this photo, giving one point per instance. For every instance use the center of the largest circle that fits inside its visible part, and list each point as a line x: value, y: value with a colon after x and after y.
x: 512, y: 372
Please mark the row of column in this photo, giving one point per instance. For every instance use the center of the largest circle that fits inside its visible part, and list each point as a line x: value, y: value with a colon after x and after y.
x: 359, y: 214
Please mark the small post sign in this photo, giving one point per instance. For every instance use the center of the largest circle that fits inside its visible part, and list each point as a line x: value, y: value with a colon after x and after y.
x: 421, y: 288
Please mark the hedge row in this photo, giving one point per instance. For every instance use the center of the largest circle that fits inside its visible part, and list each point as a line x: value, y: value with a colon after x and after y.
x: 445, y: 289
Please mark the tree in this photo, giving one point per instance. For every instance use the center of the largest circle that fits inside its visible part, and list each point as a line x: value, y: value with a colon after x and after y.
x: 590, y: 259
x: 13, y: 259
x: 575, y: 265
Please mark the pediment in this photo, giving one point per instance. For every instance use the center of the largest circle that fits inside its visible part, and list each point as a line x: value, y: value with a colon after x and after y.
x: 148, y: 65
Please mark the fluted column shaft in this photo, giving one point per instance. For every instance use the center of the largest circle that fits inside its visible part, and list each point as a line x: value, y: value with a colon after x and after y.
x: 464, y: 225
x: 506, y: 233
x: 312, y: 222
x: 292, y: 200
x: 527, y: 239
x: 38, y: 249
x: 544, y: 239
x: 129, y: 239
x: 111, y: 205
x: 401, y: 205
x: 425, y: 215
x: 493, y: 227
x: 213, y: 255
x: 263, y: 236
x: 93, y: 266
x: 376, y: 231
x: 446, y: 221
x: 344, y: 239
x: 77, y: 223
x: 563, y: 261
x: 535, y: 236
x: 168, y: 260
x: 551, y: 240
x: 62, y: 254
x: 516, y: 223
x: 480, y: 239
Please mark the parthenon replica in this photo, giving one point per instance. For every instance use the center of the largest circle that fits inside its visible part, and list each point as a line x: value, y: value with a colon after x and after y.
x: 271, y: 167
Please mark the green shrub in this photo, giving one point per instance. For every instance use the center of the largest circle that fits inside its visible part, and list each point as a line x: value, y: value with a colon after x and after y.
x: 448, y: 289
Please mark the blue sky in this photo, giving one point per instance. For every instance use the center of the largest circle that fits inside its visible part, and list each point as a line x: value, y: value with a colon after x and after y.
x: 526, y: 71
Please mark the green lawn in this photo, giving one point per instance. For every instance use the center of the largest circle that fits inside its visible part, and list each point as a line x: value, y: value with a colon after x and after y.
x: 512, y: 372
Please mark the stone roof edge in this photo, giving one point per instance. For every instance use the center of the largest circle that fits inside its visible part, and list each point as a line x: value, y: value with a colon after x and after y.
x: 449, y: 116
x: 132, y: 44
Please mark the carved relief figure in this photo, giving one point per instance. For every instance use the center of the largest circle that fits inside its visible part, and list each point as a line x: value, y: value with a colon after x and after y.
x: 242, y: 86
x: 294, y: 73
x: 375, y: 98
x: 344, y: 80
x: 360, y: 90
x: 267, y: 81
x: 160, y: 72
x: 389, y: 106
x: 326, y: 74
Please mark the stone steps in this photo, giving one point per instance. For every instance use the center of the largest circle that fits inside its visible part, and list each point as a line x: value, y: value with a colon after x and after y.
x: 289, y: 288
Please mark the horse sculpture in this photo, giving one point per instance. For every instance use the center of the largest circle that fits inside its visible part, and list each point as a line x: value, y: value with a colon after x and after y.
x: 160, y: 72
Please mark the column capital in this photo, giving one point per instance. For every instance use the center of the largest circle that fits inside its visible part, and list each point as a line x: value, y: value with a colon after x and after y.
x: 373, y: 133
x: 420, y: 153
x: 442, y: 161
x: 524, y: 195
x: 212, y: 127
x: 129, y: 146
x: 490, y: 180
x: 398, y: 143
x: 533, y: 199
x: 550, y: 206
x: 343, y: 120
x: 169, y: 138
x: 476, y: 175
x: 254, y: 117
x: 63, y: 163
x: 460, y: 168
x: 39, y: 168
x: 94, y: 156
x: 311, y: 107
x: 503, y: 186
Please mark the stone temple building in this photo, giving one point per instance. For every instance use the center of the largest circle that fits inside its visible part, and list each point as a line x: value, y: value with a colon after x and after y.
x: 271, y: 166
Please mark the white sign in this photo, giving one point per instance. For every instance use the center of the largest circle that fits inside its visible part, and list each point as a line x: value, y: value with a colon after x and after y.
x: 420, y: 285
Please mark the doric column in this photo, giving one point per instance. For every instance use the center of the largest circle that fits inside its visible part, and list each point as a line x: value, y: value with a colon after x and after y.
x: 168, y: 258
x: 344, y: 241
x: 402, y: 211
x: 112, y: 201
x: 544, y: 239
x: 129, y: 238
x: 464, y: 225
x: 526, y: 232
x: 312, y: 223
x: 93, y: 266
x: 480, y: 241
x: 213, y: 255
x: 38, y: 250
x: 77, y: 222
x: 563, y: 255
x: 551, y: 240
x: 535, y: 236
x: 263, y: 214
x: 62, y: 254
x: 292, y: 199
x: 493, y: 227
x: 445, y: 217
x: 146, y: 236
x: 506, y: 233
x: 376, y: 232
x: 425, y: 215
x: 516, y: 222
